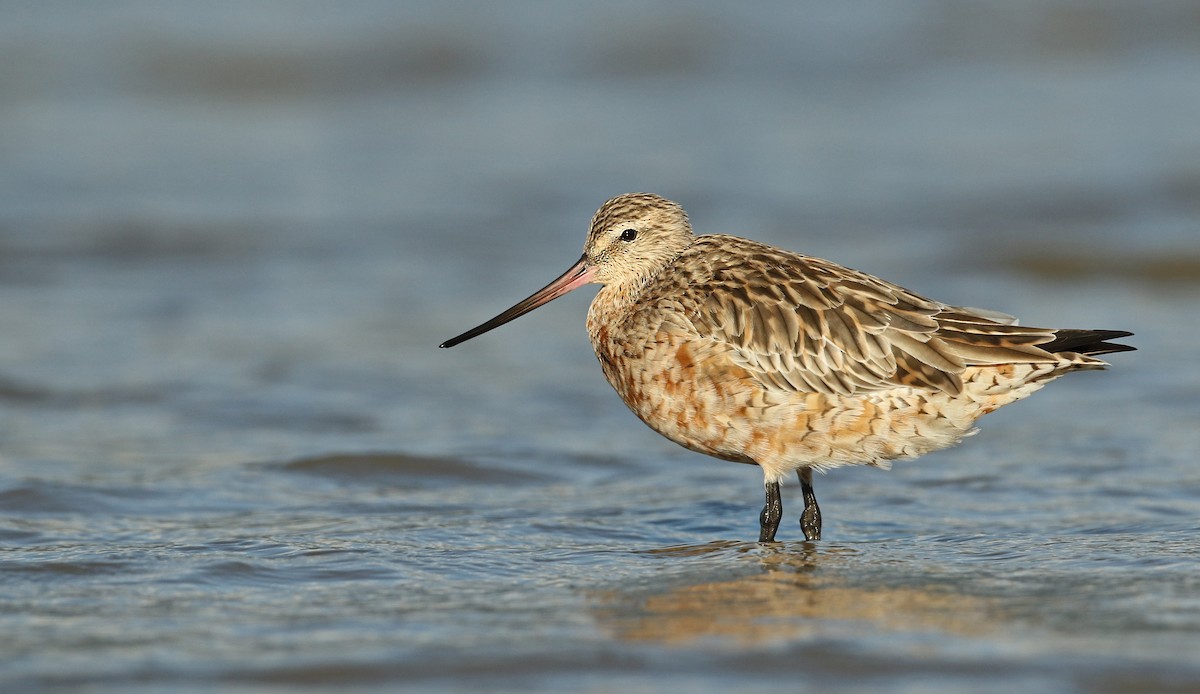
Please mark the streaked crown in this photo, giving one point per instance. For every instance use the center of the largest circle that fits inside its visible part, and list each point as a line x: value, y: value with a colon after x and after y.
x: 635, y: 235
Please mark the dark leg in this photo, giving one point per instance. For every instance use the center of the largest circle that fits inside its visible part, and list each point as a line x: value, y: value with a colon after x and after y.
x: 810, y: 520
x: 771, y: 513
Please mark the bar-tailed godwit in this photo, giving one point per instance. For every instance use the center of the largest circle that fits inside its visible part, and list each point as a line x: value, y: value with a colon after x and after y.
x: 759, y: 355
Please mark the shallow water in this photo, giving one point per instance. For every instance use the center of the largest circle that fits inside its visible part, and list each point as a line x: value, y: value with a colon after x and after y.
x: 231, y: 456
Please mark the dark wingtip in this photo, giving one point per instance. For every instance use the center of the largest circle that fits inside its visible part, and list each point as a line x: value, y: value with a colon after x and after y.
x: 1089, y: 342
x: 1108, y: 348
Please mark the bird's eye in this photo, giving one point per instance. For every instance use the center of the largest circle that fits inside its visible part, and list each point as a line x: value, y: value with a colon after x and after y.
x: 629, y: 234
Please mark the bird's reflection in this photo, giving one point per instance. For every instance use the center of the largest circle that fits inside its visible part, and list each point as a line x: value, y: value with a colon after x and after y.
x: 750, y: 592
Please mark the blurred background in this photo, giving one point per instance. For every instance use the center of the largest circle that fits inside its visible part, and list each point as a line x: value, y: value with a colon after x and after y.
x: 233, y: 233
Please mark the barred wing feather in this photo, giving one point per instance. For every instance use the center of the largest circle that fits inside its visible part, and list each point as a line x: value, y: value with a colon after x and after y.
x: 804, y: 324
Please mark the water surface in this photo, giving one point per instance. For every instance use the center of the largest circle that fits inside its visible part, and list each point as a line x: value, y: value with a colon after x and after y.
x: 232, y: 457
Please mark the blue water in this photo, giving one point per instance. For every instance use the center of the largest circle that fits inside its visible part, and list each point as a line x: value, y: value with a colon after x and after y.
x: 232, y: 235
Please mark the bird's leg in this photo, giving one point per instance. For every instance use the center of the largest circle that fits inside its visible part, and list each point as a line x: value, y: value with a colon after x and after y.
x: 810, y: 519
x: 771, y: 513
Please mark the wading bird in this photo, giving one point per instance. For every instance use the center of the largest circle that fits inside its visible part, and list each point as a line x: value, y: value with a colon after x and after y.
x: 759, y: 355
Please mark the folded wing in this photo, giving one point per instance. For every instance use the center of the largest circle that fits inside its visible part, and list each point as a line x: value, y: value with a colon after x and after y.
x: 808, y: 325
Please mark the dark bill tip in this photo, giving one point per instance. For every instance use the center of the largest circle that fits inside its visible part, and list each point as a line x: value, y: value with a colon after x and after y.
x: 578, y: 275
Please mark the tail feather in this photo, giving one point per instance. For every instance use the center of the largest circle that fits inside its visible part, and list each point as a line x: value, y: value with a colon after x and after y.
x: 1089, y: 342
